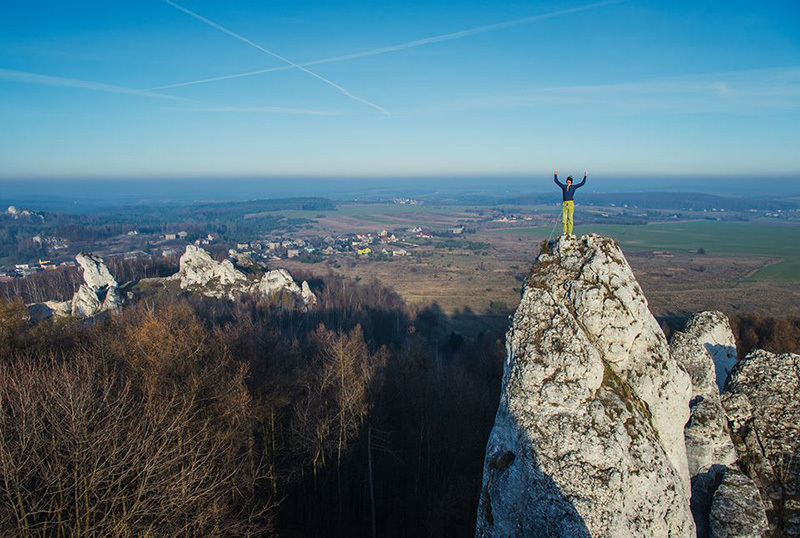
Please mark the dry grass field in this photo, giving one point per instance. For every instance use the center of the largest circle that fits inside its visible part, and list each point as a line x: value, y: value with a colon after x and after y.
x: 480, y: 289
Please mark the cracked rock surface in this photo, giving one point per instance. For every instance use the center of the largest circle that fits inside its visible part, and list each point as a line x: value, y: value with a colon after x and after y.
x: 762, y: 401
x: 588, y: 438
x: 706, y: 349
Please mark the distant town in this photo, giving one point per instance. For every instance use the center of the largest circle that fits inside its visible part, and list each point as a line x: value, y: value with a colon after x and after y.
x: 283, y: 237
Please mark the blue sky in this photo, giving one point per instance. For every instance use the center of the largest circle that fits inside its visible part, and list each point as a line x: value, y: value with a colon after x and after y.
x: 626, y: 88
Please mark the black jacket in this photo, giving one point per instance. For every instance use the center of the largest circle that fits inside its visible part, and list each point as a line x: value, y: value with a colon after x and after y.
x: 568, y: 193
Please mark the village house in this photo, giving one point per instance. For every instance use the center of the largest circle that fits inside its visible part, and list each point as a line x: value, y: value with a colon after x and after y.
x: 47, y: 265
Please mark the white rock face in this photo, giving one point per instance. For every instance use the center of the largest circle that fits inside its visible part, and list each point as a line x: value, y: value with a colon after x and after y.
x: 17, y: 213
x: 707, y: 351
x: 762, y: 401
x: 278, y: 280
x: 588, y: 438
x: 95, y: 273
x: 99, y: 291
x: 737, y: 510
x: 309, y: 298
x: 199, y: 272
x: 708, y: 332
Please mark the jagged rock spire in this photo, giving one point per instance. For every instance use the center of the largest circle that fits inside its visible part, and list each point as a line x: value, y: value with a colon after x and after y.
x: 588, y: 438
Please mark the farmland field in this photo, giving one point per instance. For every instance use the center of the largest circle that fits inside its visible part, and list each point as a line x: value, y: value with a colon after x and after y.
x: 370, y: 212
x: 715, y: 238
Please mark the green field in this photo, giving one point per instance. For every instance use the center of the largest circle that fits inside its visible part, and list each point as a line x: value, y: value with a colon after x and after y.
x: 726, y: 238
x: 364, y: 211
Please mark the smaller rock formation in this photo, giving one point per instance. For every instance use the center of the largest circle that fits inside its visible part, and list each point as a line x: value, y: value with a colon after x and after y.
x: 276, y: 281
x: 99, y: 291
x: 706, y: 350
x: 238, y: 274
x: 309, y: 299
x: 737, y: 510
x: 762, y: 401
x: 16, y: 213
x: 48, y: 309
x: 202, y: 273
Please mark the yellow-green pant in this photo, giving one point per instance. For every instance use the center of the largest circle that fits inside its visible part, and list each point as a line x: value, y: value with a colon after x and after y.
x: 567, y: 209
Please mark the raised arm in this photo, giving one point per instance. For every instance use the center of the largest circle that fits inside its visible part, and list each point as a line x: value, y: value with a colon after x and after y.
x: 555, y: 178
x: 582, y: 182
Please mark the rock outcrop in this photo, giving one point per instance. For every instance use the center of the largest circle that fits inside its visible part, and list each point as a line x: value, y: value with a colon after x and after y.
x: 276, y: 281
x: 308, y: 296
x: 16, y: 213
x: 737, y: 510
x: 198, y: 271
x: 238, y: 274
x: 99, y: 291
x: 706, y: 349
x: 762, y: 401
x: 588, y: 438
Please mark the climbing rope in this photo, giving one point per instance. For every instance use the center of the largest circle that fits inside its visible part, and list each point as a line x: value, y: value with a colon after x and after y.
x: 551, y: 231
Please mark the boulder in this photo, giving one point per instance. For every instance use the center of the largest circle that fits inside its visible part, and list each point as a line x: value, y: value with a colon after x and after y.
x: 762, y: 401
x: 308, y: 296
x: 198, y: 271
x: 737, y: 510
x: 276, y: 281
x: 48, y: 309
x: 588, y: 438
x: 707, y: 351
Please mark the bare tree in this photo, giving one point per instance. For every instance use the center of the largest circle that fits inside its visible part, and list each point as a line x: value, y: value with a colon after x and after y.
x: 84, y: 452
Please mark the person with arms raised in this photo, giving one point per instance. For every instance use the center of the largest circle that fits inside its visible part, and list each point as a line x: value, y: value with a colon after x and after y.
x: 568, y: 200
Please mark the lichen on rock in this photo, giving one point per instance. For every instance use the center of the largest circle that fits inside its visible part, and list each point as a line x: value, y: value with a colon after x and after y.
x: 706, y: 349
x: 592, y: 408
x: 762, y: 401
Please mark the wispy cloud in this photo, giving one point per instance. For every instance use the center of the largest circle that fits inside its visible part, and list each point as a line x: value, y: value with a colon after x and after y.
x: 741, y: 92
x: 258, y: 110
x: 402, y: 46
x: 290, y: 63
x: 26, y: 77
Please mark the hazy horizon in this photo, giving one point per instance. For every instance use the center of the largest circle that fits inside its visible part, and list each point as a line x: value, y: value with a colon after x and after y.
x: 81, y: 195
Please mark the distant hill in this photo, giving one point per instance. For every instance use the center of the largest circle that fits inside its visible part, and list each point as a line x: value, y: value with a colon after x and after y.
x: 661, y: 200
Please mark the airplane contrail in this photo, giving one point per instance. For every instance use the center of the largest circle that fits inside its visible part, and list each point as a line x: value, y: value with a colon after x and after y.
x: 291, y: 64
x: 26, y: 77
x: 402, y: 46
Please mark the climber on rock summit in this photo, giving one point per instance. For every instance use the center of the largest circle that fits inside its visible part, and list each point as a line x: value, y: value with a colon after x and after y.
x: 568, y: 201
